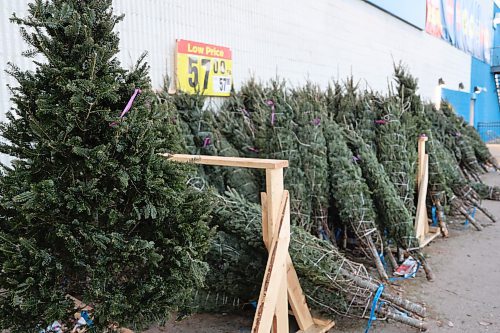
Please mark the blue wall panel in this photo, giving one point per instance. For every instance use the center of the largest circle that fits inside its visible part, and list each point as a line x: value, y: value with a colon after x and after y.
x: 410, y: 11
x: 487, y: 108
x: 460, y: 101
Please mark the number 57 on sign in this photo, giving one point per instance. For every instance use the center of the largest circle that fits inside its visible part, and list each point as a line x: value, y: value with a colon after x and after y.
x: 203, y: 68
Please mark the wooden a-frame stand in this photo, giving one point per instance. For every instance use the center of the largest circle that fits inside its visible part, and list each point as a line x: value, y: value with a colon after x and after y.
x: 281, y: 284
x: 424, y: 233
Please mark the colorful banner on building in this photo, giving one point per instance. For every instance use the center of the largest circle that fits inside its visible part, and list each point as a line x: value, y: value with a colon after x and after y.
x: 433, y: 21
x: 448, y: 18
x: 466, y: 24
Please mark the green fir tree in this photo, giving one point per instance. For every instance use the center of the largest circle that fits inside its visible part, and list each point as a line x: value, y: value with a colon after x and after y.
x: 88, y: 207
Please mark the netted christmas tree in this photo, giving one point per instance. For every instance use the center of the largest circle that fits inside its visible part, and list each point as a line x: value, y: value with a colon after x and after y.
x: 352, y: 157
x: 269, y: 121
x: 456, y: 176
x: 394, y: 151
x: 332, y: 283
x: 456, y: 153
x: 468, y: 161
x: 88, y: 208
x: 307, y: 126
x: 352, y: 196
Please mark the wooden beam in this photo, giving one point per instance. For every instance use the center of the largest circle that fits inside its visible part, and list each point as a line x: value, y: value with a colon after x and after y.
x: 280, y: 322
x: 273, y: 279
x: 320, y: 326
x: 281, y: 217
x: 421, y: 155
x: 265, y: 232
x: 296, y: 296
x: 274, y: 191
x: 79, y: 304
x: 421, y: 215
x: 297, y: 299
x: 256, y: 163
x: 429, y: 237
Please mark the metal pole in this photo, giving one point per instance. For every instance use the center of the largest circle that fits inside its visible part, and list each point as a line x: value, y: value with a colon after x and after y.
x: 472, y: 109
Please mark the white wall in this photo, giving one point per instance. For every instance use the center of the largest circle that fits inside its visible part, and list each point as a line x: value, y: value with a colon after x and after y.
x: 295, y: 39
x: 11, y: 46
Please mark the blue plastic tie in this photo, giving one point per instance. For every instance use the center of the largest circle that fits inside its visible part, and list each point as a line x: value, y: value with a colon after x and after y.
x: 324, y: 235
x: 338, y: 233
x: 85, y: 316
x: 382, y: 259
x: 375, y: 306
x: 472, y: 212
x: 375, y: 303
x: 434, y: 216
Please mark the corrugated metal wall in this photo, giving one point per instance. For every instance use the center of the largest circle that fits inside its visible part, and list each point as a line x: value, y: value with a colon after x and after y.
x: 298, y: 40
x: 11, y: 46
x: 294, y: 39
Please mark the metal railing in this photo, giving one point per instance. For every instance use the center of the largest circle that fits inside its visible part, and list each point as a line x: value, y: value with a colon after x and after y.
x: 489, y: 131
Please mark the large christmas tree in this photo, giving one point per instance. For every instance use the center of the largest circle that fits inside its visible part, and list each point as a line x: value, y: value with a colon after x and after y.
x: 88, y: 208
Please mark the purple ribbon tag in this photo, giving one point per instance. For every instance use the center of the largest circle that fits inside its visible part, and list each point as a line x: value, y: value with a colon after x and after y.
x: 356, y: 158
x: 273, y: 115
x: 128, y: 106
x: 316, y: 121
x: 380, y: 122
x: 206, y: 142
x: 253, y: 149
x: 245, y: 112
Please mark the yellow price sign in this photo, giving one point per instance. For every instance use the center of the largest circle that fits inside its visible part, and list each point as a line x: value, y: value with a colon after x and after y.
x: 203, y: 68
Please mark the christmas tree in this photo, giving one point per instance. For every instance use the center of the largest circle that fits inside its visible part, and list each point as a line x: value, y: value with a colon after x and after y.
x: 332, y: 283
x: 88, y: 208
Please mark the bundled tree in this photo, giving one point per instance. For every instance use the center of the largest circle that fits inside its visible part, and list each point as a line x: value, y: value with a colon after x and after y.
x: 446, y: 127
x: 88, y: 208
x: 236, y: 272
x: 275, y: 123
x: 235, y: 117
x: 352, y: 195
x: 483, y: 154
x: 406, y: 87
x: 396, y: 220
x: 394, y: 151
x: 276, y: 137
x: 446, y: 172
x: 487, y: 191
x: 469, y: 159
x: 459, y: 190
x: 308, y: 107
x: 460, y: 195
x: 332, y: 283
x: 438, y: 189
x: 202, y: 135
